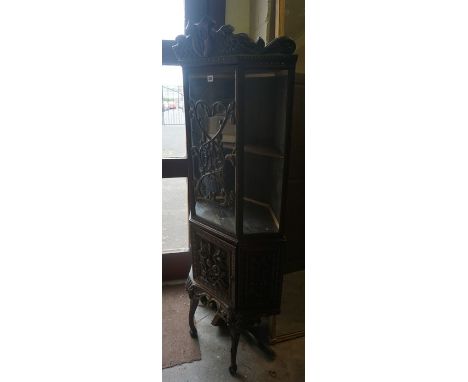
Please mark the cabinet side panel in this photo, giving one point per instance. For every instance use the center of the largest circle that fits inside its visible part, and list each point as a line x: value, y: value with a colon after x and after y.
x: 260, y: 278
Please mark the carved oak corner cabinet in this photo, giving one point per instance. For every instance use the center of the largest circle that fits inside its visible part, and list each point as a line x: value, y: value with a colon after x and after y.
x: 238, y: 101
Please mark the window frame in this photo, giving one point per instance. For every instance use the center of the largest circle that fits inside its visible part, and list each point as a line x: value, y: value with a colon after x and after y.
x: 176, y: 264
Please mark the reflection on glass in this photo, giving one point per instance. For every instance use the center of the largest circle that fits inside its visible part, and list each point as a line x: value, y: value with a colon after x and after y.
x: 213, y: 135
x: 174, y: 215
x: 173, y: 117
x: 264, y: 145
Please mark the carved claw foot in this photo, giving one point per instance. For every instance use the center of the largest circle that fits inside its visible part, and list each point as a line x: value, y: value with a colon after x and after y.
x: 233, y: 369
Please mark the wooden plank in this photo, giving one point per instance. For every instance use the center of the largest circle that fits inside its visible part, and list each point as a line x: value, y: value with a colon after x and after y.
x: 176, y: 266
x: 174, y: 168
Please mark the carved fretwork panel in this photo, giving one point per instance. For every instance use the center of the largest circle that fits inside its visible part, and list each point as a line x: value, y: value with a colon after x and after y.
x: 212, y: 266
x: 261, y: 273
x: 213, y: 158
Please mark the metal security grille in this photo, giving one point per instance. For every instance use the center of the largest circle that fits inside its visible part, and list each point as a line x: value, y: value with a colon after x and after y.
x: 173, y: 105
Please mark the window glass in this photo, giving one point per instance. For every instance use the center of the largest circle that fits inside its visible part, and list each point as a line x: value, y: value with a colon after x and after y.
x: 174, y: 215
x: 173, y: 113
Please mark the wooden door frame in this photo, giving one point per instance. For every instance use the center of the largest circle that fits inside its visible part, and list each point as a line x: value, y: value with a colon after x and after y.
x: 176, y: 265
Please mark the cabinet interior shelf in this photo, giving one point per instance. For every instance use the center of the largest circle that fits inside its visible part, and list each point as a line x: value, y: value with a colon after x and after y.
x: 263, y: 151
x: 257, y: 150
x: 258, y: 217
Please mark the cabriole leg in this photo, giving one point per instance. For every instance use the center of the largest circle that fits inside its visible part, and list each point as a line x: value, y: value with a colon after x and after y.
x: 235, y: 334
x: 190, y: 288
x: 193, y: 307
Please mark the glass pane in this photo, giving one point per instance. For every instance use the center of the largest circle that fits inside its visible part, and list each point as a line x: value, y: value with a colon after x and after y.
x: 173, y: 115
x: 175, y: 215
x: 213, y: 135
x: 264, y: 145
x: 172, y: 19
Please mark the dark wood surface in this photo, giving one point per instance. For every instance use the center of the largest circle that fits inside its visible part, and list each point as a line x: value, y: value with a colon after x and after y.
x: 240, y: 273
x: 294, y: 258
x: 176, y: 266
x: 174, y: 168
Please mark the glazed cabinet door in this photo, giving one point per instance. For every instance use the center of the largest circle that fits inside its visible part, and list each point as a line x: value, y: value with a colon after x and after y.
x: 212, y: 139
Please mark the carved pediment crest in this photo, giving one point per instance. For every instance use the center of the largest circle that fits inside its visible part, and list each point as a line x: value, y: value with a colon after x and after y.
x: 203, y: 40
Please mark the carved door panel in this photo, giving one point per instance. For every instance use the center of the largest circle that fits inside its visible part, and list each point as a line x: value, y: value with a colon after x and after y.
x: 213, y: 264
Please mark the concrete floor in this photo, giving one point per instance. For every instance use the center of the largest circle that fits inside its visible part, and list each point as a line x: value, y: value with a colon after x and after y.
x: 252, y: 363
x: 173, y: 139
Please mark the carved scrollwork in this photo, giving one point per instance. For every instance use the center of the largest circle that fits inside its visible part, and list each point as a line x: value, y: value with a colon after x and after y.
x: 229, y: 315
x: 213, y: 266
x: 212, y: 163
x: 203, y: 40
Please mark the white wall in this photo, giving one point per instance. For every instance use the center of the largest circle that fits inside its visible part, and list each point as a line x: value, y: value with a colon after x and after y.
x: 249, y: 16
x: 238, y: 15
